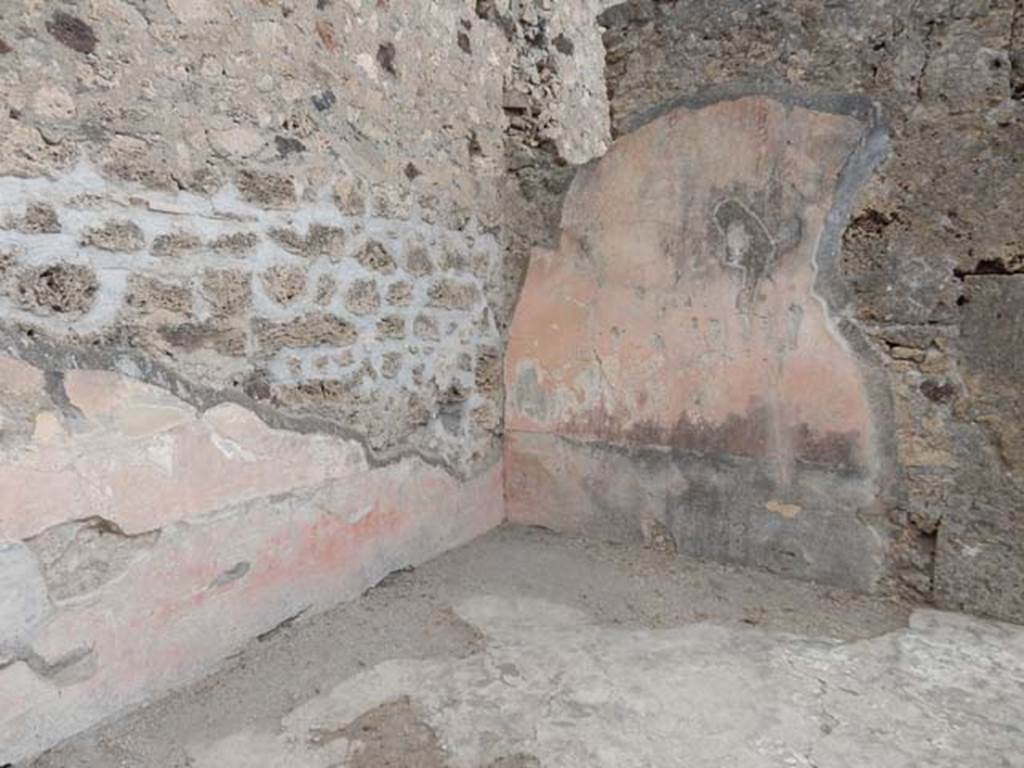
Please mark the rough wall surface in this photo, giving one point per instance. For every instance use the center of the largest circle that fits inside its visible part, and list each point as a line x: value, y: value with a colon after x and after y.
x: 257, y: 260
x: 928, y: 267
x: 143, y: 540
x: 293, y: 208
x: 673, y: 370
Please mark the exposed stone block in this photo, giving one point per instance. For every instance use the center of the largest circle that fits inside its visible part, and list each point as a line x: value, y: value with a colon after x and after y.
x: 175, y: 244
x: 235, y: 243
x: 350, y: 195
x: 8, y: 261
x: 488, y: 373
x: 222, y: 338
x: 321, y: 240
x: 417, y: 260
x: 399, y: 294
x: 149, y: 294
x: 326, y: 287
x: 57, y: 289
x: 425, y: 327
x: 390, y: 201
x: 307, y: 331
x: 115, y: 235
x: 391, y: 364
x: 266, y: 189
x: 391, y: 327
x: 284, y: 284
x: 449, y: 293
x: 39, y: 218
x: 363, y: 297
x: 374, y: 256
x: 228, y: 291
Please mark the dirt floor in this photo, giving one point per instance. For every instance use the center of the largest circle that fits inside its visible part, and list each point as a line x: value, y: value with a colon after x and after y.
x: 525, y: 648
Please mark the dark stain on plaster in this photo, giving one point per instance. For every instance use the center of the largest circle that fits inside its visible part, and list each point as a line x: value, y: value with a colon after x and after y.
x: 939, y: 390
x: 232, y: 574
x: 72, y: 32
x: 990, y: 267
x: 192, y: 336
x: 746, y: 245
x: 56, y: 391
x: 288, y: 146
x: 386, y: 58
x: 391, y: 734
x: 73, y: 667
x: 753, y: 434
x: 856, y: 106
x: 393, y: 578
x: 718, y: 507
x: 488, y: 10
x: 564, y: 45
x: 281, y: 626
x: 829, y: 449
x: 324, y: 101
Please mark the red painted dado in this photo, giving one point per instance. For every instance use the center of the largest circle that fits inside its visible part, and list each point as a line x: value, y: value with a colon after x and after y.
x: 240, y: 526
x: 680, y: 313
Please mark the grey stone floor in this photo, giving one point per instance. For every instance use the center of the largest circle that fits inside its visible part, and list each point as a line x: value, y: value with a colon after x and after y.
x: 528, y: 649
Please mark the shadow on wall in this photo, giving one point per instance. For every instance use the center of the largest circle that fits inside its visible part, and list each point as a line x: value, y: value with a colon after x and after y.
x: 677, y: 371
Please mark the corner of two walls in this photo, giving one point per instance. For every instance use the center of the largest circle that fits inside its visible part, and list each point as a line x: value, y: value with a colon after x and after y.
x: 761, y: 339
x: 257, y: 265
x: 219, y: 412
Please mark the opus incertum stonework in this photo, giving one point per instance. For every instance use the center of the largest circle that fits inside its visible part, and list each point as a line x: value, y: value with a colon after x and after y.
x: 298, y: 293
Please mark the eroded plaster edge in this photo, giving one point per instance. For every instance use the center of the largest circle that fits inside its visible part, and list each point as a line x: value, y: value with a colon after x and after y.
x: 55, y: 358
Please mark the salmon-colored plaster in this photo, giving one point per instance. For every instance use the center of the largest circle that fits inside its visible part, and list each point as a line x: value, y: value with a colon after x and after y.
x: 658, y: 321
x: 251, y: 525
x: 673, y: 372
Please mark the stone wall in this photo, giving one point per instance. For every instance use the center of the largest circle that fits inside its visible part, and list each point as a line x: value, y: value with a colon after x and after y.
x: 257, y: 262
x: 293, y: 207
x: 923, y: 283
x: 379, y: 323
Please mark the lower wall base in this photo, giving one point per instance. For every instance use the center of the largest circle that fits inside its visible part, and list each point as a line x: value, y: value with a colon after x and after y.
x: 174, y: 615
x: 726, y: 509
x: 102, y: 613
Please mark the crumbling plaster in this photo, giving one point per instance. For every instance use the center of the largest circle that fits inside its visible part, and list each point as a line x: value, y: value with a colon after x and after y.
x: 259, y: 260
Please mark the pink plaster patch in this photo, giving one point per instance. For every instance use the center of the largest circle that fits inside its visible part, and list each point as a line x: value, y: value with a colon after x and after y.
x: 680, y: 308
